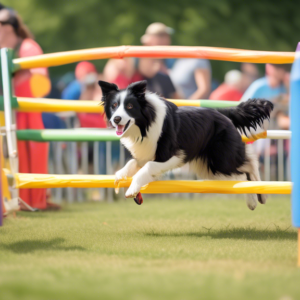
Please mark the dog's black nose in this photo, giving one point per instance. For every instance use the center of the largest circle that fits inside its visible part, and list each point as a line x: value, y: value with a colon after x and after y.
x: 117, y: 120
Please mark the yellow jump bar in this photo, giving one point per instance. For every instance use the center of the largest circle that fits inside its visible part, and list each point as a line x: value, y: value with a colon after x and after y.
x: 157, y: 187
x: 89, y: 106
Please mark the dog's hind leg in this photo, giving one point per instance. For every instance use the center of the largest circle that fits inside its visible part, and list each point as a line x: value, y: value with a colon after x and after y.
x: 252, y: 171
x: 251, y: 199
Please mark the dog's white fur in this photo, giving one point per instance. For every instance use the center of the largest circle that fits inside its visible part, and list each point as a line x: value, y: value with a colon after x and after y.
x: 144, y: 170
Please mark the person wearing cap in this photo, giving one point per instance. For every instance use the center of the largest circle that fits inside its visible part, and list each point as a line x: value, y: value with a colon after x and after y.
x: 231, y: 89
x: 158, y: 34
x: 156, y: 71
x: 85, y: 76
x: 33, y: 156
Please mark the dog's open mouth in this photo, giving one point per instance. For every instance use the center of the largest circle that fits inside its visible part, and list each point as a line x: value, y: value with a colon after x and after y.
x: 122, y: 128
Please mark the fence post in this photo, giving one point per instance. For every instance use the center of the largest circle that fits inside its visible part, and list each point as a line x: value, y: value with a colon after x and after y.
x: 295, y: 143
x: 6, y: 69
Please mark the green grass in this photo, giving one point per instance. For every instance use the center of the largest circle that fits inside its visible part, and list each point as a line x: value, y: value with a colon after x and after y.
x: 212, y: 248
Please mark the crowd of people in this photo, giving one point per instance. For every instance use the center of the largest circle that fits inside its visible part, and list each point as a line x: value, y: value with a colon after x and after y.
x: 170, y: 78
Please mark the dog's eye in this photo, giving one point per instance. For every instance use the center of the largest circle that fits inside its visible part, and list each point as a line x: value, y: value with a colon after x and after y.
x: 129, y: 106
x: 114, y: 105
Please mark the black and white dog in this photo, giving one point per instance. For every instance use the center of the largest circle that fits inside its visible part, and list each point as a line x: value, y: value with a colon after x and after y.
x: 162, y: 137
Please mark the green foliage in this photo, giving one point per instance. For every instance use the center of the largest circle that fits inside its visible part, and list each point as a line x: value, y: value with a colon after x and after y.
x: 61, y: 25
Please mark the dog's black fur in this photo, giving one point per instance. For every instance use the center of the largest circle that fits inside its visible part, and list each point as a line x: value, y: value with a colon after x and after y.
x: 208, y: 134
x: 200, y: 133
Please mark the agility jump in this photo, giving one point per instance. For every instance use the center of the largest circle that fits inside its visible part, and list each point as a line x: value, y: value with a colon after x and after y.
x: 26, y: 104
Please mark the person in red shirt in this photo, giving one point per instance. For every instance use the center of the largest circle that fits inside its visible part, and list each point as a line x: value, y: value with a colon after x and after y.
x: 231, y: 89
x: 33, y: 156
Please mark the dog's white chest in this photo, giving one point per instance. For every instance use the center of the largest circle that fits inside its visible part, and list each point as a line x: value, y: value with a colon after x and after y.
x: 142, y: 151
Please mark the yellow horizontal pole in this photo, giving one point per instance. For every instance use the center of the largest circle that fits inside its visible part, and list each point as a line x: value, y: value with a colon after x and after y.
x: 157, y: 187
x: 56, y: 105
x: 213, y: 53
x: 262, y: 135
x: 88, y: 106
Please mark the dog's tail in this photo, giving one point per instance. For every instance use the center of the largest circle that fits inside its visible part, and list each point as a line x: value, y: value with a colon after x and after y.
x: 250, y: 115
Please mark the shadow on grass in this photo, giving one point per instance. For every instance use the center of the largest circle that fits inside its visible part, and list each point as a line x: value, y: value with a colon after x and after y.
x: 239, y: 233
x: 27, y: 246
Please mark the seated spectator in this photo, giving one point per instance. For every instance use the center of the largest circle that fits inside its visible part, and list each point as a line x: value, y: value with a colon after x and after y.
x: 157, y: 82
x: 85, y: 74
x: 92, y: 92
x: 192, y: 78
x: 271, y: 85
x: 122, y: 72
x: 231, y: 89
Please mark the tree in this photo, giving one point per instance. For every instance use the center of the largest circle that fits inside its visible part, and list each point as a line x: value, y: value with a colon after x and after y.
x: 61, y: 25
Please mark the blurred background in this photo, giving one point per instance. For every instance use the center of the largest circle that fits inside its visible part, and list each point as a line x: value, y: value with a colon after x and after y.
x: 174, y: 246
x: 70, y: 25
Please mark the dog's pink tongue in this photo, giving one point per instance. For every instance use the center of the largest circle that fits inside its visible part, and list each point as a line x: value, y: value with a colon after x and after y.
x: 120, y: 129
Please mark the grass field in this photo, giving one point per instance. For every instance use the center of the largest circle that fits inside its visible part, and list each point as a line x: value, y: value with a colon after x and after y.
x: 210, y: 248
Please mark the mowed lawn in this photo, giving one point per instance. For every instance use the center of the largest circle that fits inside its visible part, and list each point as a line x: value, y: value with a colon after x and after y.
x: 209, y: 248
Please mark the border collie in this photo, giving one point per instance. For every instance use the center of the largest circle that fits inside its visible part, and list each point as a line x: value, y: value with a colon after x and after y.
x: 162, y: 137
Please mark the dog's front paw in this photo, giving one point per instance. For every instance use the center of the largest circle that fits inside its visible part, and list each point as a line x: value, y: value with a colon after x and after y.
x: 133, y: 190
x: 120, y: 175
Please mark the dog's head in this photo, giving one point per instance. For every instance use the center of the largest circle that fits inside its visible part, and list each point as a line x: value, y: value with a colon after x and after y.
x: 127, y: 108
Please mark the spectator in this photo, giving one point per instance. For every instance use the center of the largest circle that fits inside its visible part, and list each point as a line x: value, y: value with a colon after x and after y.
x: 250, y: 73
x: 192, y: 78
x: 281, y: 107
x: 158, y: 34
x: 86, y: 75
x: 33, y: 156
x: 231, y: 89
x: 271, y: 85
x: 125, y: 71
x: 122, y: 72
x: 92, y: 92
x: 157, y: 82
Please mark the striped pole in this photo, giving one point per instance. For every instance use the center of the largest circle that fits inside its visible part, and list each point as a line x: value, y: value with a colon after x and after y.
x: 212, y: 53
x: 295, y: 144
x: 89, y: 106
x: 109, y: 135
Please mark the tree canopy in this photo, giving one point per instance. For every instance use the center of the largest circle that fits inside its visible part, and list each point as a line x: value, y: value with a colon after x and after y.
x: 61, y: 25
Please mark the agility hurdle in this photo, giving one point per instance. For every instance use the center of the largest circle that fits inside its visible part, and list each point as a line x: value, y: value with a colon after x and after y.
x: 108, y: 135
x: 90, y: 106
x: 157, y: 187
x: 56, y: 59
x: 213, y: 53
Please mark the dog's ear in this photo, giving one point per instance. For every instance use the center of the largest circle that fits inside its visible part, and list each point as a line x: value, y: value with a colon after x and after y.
x: 107, y: 88
x: 138, y: 88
